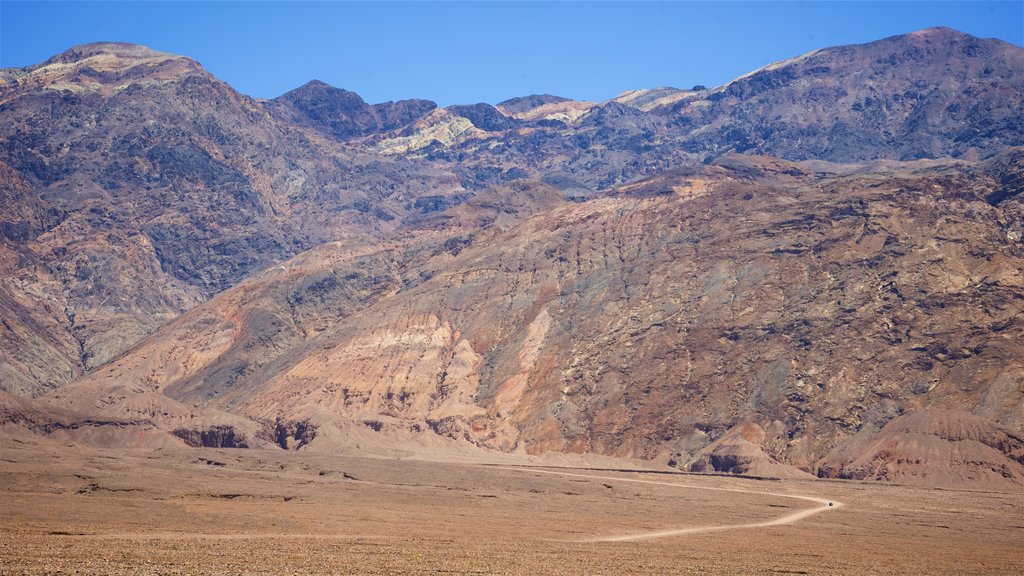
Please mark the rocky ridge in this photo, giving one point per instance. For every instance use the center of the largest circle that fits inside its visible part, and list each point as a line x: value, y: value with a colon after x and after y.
x: 933, y: 93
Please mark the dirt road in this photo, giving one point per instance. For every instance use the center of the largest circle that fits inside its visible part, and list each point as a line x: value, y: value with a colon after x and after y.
x: 825, y: 504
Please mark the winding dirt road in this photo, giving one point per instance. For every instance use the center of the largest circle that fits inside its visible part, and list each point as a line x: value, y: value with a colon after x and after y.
x: 825, y: 505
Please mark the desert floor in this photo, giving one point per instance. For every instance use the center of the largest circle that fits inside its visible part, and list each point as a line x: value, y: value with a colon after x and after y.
x: 65, y: 511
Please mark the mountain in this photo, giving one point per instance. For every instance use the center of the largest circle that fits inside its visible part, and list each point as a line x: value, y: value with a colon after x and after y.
x: 343, y: 115
x: 751, y: 316
x: 776, y: 276
x: 137, y: 185
x: 932, y: 93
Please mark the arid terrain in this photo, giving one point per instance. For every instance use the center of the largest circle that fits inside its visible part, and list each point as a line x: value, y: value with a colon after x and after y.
x: 208, y: 511
x: 771, y: 326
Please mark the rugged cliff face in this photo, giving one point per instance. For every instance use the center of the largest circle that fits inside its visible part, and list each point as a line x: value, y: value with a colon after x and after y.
x: 196, y: 266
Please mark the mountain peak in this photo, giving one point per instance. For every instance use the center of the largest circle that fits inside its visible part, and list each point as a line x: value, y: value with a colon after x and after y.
x: 938, y: 36
x: 121, y: 50
x: 321, y: 95
x: 319, y: 89
x: 104, y: 67
x: 317, y: 84
x: 938, y: 31
x: 521, y: 104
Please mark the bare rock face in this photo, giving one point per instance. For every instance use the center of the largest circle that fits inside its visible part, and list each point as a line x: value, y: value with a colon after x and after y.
x: 212, y: 437
x: 273, y: 319
x: 124, y: 419
x: 934, y: 447
x: 647, y: 100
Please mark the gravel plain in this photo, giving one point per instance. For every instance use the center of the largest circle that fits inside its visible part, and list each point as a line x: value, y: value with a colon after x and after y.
x: 75, y: 511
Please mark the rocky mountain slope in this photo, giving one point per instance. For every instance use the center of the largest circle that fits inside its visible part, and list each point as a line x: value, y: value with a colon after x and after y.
x: 183, y: 264
x: 921, y: 95
x: 751, y: 316
x: 135, y: 185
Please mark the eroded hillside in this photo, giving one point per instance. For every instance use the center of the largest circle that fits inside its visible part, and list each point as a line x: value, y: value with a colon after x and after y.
x: 183, y: 264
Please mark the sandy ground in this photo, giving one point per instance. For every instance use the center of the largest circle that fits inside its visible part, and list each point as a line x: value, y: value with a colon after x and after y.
x: 274, y: 512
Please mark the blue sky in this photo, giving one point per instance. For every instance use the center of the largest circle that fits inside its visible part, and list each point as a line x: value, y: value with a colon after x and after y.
x: 465, y: 52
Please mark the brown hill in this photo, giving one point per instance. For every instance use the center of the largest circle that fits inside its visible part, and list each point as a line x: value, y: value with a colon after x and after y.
x: 741, y: 451
x: 134, y: 184
x: 934, y: 447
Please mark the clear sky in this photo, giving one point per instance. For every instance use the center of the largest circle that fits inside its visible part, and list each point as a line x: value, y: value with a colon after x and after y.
x: 465, y: 52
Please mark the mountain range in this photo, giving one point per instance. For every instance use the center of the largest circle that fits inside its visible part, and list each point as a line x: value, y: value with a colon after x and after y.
x: 813, y: 270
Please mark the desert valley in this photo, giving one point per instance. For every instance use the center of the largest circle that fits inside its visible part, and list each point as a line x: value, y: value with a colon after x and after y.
x: 772, y: 326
